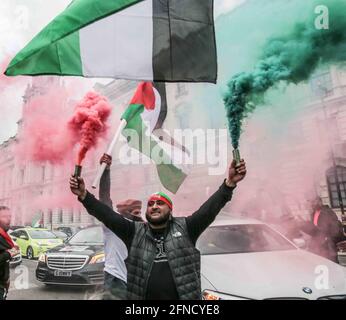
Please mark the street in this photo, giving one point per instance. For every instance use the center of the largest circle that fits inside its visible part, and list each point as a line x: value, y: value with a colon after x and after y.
x: 24, y: 286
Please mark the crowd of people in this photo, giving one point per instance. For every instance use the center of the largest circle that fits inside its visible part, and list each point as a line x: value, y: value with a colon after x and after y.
x: 157, y: 259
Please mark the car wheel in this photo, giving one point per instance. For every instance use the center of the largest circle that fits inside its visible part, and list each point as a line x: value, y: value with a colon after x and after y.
x: 30, y: 253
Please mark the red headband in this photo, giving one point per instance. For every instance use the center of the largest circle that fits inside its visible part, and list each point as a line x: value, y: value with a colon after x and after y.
x: 156, y: 197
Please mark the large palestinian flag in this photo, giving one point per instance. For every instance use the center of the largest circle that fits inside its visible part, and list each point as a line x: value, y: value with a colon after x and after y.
x: 144, y: 117
x: 161, y: 40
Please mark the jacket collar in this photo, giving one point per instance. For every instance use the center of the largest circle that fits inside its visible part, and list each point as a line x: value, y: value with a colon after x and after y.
x: 150, y: 233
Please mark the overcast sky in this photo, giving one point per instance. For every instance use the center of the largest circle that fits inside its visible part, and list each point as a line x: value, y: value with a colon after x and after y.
x: 20, y: 20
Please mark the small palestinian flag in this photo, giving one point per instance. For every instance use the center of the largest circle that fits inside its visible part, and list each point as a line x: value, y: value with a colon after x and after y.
x: 160, y: 40
x: 145, y: 116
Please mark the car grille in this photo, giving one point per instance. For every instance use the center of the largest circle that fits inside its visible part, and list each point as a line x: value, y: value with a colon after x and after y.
x: 40, y: 275
x: 66, y: 262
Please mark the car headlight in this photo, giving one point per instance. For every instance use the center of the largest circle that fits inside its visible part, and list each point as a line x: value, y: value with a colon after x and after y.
x: 214, y: 295
x: 42, y: 258
x: 99, y: 258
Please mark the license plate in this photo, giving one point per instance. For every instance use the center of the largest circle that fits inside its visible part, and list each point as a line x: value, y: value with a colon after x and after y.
x: 60, y: 273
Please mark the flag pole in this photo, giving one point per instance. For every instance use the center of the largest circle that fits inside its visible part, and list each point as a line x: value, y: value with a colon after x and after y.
x: 109, y: 152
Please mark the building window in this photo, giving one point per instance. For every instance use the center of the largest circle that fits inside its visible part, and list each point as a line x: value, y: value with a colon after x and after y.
x: 77, y: 216
x: 49, y: 217
x: 21, y: 176
x: 43, y: 173
x: 322, y: 85
x: 332, y: 186
x: 60, y: 216
x: 331, y: 126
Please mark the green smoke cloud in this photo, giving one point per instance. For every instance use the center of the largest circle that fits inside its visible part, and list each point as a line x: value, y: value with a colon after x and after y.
x: 290, y: 58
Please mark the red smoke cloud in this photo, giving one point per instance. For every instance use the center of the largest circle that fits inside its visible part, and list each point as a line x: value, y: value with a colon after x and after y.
x: 44, y: 135
x: 63, y: 199
x: 10, y: 100
x: 50, y: 129
x: 89, y: 122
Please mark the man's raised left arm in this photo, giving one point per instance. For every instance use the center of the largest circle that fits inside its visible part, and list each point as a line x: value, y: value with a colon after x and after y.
x: 206, y: 214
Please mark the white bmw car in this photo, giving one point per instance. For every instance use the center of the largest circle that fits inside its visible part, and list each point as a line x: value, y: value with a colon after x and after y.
x: 247, y: 259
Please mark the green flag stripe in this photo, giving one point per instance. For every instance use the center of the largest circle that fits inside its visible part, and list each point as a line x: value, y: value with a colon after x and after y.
x: 132, y: 112
x: 170, y: 176
x: 59, y: 57
x: 69, y: 55
x: 77, y: 15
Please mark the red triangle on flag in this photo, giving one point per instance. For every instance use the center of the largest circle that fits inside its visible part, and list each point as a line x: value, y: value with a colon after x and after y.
x: 145, y: 95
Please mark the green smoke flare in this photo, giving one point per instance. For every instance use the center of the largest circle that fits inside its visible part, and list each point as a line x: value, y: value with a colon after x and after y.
x: 291, y: 58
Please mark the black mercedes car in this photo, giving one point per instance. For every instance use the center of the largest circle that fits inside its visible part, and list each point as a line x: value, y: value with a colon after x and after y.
x: 79, y: 261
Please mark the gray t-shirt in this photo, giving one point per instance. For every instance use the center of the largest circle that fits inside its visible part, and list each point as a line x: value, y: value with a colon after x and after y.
x: 115, y: 249
x: 115, y: 255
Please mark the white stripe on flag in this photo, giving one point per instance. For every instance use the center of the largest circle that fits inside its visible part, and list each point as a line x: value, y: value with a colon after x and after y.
x: 151, y: 116
x: 112, y: 47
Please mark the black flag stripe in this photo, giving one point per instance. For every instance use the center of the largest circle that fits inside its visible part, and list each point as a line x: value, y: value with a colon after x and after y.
x: 184, y: 32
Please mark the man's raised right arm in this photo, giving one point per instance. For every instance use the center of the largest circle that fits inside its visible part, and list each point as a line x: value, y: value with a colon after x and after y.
x: 122, y: 227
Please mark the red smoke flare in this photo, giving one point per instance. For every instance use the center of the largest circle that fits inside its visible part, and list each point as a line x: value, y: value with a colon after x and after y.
x: 88, y: 123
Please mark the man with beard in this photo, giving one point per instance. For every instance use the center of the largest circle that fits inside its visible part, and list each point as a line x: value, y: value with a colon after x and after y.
x: 163, y: 262
x: 7, y: 250
x: 115, y: 250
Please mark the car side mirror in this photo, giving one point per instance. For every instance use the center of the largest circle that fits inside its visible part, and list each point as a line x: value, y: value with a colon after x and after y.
x: 14, y: 238
x: 300, y: 243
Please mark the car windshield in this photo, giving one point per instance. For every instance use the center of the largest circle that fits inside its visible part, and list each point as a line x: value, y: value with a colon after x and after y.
x: 241, y: 239
x: 41, y: 234
x: 60, y: 234
x: 90, y: 235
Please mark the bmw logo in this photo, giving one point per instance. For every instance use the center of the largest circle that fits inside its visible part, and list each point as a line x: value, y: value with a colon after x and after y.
x: 307, y: 290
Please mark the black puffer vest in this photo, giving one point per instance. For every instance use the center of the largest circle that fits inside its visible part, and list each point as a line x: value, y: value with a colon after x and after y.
x: 183, y: 258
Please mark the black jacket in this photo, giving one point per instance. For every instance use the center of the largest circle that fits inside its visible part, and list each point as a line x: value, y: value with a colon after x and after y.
x: 4, y: 263
x: 194, y: 226
x: 184, y: 261
x: 326, y: 235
